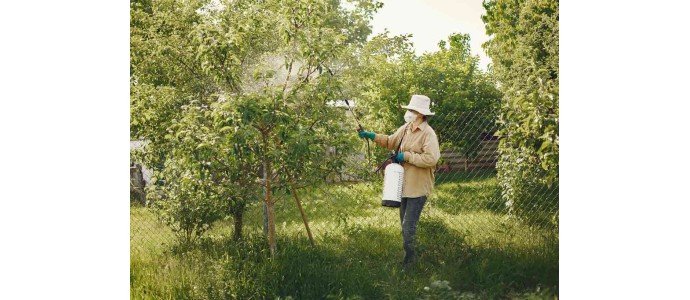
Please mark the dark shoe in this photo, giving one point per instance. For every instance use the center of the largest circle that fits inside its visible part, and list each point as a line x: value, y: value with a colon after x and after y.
x: 409, y: 260
x: 408, y: 268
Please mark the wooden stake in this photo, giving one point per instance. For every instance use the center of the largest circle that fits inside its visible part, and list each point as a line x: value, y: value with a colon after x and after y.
x: 304, y: 217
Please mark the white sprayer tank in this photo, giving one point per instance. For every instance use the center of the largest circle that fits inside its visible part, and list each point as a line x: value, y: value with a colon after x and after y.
x: 392, y: 185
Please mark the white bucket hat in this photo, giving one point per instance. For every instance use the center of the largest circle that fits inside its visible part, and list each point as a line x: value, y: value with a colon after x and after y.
x: 420, y: 104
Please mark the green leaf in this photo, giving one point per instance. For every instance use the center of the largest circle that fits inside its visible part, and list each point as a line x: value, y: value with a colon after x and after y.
x: 544, y: 145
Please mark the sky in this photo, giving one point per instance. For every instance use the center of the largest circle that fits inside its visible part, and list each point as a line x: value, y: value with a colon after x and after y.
x: 430, y: 21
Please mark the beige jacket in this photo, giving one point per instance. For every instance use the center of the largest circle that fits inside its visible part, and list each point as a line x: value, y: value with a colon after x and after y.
x: 421, y: 153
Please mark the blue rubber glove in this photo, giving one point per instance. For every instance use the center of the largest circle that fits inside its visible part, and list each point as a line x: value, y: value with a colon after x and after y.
x: 400, y: 157
x: 367, y: 134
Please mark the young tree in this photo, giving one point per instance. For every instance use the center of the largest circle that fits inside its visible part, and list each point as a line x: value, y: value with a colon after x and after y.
x: 289, y: 112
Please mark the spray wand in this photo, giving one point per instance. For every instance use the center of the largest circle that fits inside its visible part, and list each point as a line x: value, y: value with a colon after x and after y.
x: 393, y: 175
x: 360, y: 128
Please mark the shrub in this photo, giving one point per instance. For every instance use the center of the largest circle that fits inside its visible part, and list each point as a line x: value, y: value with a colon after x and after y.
x: 524, y: 51
x: 186, y: 203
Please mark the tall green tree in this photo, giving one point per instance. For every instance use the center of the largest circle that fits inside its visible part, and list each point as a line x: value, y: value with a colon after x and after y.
x: 524, y: 51
x: 465, y: 97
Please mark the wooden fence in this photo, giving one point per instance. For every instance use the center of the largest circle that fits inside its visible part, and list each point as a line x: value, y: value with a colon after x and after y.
x: 456, y: 161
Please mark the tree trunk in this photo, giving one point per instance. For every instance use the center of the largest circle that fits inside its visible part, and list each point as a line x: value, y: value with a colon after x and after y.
x: 137, y: 184
x: 237, y: 215
x: 265, y: 212
x: 270, y: 213
x: 271, y: 227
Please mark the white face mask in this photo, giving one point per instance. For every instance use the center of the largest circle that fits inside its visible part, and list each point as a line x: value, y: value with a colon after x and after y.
x: 410, y: 116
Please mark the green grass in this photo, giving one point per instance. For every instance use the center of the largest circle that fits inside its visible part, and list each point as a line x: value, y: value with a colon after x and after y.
x: 464, y: 238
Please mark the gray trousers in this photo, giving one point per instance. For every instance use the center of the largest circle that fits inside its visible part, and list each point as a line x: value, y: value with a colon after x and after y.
x: 410, y: 210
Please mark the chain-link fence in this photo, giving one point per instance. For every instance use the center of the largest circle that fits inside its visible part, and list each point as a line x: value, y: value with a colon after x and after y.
x: 471, y: 181
x: 468, y: 203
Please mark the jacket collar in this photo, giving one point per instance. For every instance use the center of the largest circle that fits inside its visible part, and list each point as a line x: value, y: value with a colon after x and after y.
x: 421, y: 126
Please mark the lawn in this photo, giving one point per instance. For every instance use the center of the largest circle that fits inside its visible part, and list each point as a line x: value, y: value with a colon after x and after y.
x: 466, y: 242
